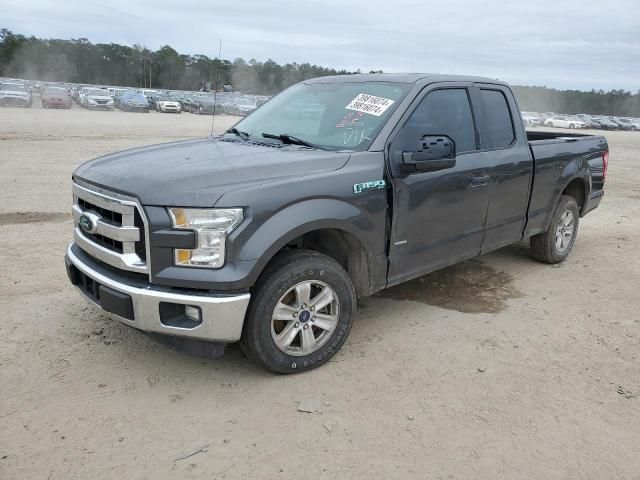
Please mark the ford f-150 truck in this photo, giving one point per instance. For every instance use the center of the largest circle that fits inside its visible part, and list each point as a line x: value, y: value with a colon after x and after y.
x: 333, y: 190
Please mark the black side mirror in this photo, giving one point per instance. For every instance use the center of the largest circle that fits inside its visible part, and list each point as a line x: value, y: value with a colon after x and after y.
x: 433, y: 152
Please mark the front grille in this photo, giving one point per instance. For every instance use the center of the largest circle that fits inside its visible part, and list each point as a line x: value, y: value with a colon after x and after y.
x: 116, y: 234
x: 115, y: 217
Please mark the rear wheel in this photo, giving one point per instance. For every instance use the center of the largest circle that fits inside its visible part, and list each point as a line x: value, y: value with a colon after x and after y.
x: 300, y: 313
x: 555, y: 245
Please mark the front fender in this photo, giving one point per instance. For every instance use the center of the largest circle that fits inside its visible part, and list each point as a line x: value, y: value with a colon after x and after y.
x: 295, y: 220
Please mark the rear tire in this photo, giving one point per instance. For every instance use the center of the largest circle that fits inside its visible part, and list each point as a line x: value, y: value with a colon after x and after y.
x: 300, y: 314
x: 555, y: 245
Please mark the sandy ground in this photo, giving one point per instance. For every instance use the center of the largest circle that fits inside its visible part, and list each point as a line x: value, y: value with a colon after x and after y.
x: 497, y: 368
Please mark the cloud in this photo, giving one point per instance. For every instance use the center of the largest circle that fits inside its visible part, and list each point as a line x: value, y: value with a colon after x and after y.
x: 569, y: 44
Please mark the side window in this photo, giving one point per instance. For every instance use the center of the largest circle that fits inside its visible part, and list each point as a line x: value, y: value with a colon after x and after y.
x: 441, y: 112
x: 497, y: 118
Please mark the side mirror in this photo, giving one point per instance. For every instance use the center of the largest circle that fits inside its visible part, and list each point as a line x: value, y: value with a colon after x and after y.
x: 433, y: 152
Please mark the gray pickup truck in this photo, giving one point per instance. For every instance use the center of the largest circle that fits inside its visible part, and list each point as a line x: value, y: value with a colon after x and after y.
x: 333, y: 190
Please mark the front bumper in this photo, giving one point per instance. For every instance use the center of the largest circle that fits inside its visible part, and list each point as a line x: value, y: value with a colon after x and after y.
x: 100, y: 106
x: 15, y: 101
x: 170, y: 108
x: 156, y: 310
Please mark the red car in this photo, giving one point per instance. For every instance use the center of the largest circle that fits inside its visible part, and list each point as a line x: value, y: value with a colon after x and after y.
x: 55, y: 97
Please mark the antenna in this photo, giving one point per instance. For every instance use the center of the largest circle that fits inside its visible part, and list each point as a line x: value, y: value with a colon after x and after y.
x: 215, y: 89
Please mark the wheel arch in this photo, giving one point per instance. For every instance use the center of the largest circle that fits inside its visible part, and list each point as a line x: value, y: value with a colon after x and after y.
x: 332, y: 227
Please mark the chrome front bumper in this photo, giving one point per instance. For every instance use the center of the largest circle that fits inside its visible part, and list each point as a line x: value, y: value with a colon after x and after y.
x: 222, y: 317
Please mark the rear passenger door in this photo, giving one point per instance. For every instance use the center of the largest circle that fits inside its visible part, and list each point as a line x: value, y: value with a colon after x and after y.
x: 504, y: 141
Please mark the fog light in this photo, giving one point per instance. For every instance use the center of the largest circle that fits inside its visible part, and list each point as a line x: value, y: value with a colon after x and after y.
x: 193, y: 313
x: 177, y: 315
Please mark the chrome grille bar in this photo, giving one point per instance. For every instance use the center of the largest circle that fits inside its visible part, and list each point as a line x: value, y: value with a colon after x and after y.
x: 114, y: 238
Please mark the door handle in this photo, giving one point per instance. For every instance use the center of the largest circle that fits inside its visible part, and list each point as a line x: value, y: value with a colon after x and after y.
x: 480, y: 179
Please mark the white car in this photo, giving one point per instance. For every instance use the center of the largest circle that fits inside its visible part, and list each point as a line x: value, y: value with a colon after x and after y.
x: 95, y: 98
x: 168, y: 105
x: 564, y: 122
x: 531, y: 119
x: 15, y: 94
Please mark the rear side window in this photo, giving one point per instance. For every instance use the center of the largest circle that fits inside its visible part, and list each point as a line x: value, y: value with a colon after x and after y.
x: 497, y: 119
x: 442, y: 112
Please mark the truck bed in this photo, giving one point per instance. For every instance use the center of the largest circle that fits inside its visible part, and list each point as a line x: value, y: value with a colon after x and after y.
x: 556, y: 155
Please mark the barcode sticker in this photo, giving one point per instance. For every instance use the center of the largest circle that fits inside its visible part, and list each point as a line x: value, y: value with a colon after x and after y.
x: 370, y: 104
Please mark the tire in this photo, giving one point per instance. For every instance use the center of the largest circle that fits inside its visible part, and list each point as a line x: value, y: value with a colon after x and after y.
x: 571, y: 125
x: 633, y: 128
x: 547, y: 247
x: 283, y: 284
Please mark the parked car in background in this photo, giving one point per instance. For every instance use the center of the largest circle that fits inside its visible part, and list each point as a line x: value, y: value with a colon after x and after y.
x: 133, y: 102
x: 531, y: 119
x: 166, y: 104
x: 15, y: 94
x: 591, y: 123
x: 205, y: 104
x: 621, y: 125
x: 564, y: 122
x: 96, y: 99
x: 117, y: 96
x: 605, y: 123
x: 588, y: 120
x: 241, y: 106
x: 634, y: 123
x: 55, y: 97
x: 261, y: 100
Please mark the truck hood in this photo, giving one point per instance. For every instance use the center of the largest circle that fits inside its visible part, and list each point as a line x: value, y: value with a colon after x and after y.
x: 196, y: 173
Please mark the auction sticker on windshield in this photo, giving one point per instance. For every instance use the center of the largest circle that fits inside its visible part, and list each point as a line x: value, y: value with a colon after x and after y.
x: 370, y: 104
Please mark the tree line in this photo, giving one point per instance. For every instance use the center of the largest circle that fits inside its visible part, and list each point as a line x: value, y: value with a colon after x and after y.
x: 80, y: 61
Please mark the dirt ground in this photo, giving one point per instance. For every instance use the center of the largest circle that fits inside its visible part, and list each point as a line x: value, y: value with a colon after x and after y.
x: 500, y: 367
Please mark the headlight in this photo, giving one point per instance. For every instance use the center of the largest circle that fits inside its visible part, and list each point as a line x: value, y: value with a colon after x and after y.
x: 212, y: 227
x: 91, y: 100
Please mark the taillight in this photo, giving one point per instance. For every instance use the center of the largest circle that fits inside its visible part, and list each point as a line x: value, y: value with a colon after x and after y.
x: 605, y: 161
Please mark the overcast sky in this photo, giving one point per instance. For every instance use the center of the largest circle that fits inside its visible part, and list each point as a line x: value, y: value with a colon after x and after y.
x: 579, y: 44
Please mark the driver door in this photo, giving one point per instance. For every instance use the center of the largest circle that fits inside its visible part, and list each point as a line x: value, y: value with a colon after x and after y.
x: 438, y: 215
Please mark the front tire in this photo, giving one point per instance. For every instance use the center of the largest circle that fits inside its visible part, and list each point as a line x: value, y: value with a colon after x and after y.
x: 300, y: 313
x: 555, y: 245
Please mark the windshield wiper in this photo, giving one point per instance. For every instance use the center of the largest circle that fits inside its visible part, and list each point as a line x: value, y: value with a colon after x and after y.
x: 243, y: 135
x: 291, y: 140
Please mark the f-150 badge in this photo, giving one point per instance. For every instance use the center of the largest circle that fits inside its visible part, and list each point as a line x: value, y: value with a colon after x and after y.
x: 366, y: 186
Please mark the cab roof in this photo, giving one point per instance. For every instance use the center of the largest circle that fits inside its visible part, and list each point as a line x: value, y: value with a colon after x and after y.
x: 402, y: 78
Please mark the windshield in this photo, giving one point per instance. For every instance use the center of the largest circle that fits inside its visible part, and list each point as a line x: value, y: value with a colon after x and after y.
x: 95, y: 91
x: 334, y: 116
x: 55, y: 90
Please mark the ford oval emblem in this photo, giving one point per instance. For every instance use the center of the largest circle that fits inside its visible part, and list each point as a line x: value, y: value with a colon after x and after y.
x: 88, y: 223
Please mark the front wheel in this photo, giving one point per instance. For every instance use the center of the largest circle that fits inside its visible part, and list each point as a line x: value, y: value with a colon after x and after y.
x: 300, y: 313
x: 555, y: 245
x: 571, y: 125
